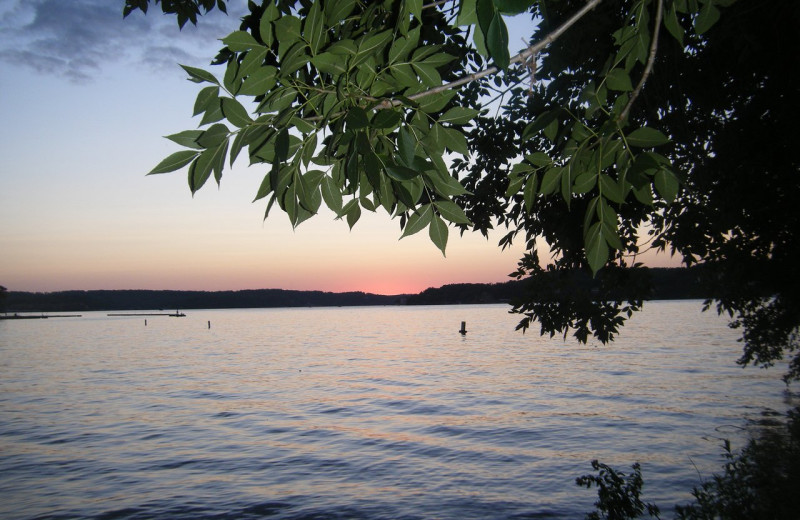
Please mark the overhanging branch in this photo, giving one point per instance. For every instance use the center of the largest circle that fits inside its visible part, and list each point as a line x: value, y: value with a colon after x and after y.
x: 519, y: 58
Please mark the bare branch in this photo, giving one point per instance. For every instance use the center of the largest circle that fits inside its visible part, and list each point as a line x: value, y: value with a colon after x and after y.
x: 648, y: 68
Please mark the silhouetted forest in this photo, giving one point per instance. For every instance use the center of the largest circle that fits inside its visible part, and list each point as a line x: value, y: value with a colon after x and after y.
x: 676, y: 283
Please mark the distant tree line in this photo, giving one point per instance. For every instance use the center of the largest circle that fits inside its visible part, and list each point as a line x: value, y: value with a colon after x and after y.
x: 648, y: 283
x: 673, y: 283
x: 147, y: 299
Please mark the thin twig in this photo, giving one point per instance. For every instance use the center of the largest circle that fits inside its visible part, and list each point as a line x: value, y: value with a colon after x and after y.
x: 648, y: 68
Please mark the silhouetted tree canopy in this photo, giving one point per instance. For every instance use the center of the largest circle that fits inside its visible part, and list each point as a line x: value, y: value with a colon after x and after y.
x: 624, y: 125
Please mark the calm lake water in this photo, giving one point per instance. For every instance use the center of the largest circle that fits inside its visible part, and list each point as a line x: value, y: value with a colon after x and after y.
x: 373, y: 412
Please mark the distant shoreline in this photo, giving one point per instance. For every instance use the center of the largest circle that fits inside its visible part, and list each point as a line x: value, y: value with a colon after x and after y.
x: 668, y: 284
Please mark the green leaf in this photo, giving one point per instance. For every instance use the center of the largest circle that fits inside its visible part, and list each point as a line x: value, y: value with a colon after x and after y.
x: 402, y: 47
x: 439, y: 59
x: 278, y: 100
x: 205, y: 98
x: 541, y: 122
x: 386, y: 119
x: 199, y: 75
x: 428, y: 74
x: 187, y: 138
x: 709, y: 15
x: 455, y: 140
x: 313, y: 28
x: 330, y: 63
x: 282, y: 146
x: 646, y: 137
x: 265, y: 28
x: 438, y: 232
x: 611, y: 235
x: 213, y: 112
x: 356, y: 118
x: 201, y: 168
x: 515, y: 183
x: 231, y: 80
x: 344, y: 47
x: 238, y: 143
x: 458, y: 115
x: 497, y: 42
x: 372, y: 44
x: 529, y: 193
x: 400, y: 173
x: 551, y: 180
x: 485, y: 11
x: 451, y: 211
x: 287, y: 29
x: 175, y: 161
x: 539, y: 159
x: 331, y: 194
x: 252, y: 62
x: 295, y: 58
x: 404, y: 75
x: 218, y: 162
x: 259, y: 82
x: 353, y: 212
x: 551, y: 130
x: 610, y: 189
x: 618, y: 79
x: 596, y: 248
x: 418, y: 220
x: 466, y: 13
x: 667, y: 184
x: 673, y: 25
x: 235, y: 112
x: 336, y: 11
x: 406, y: 146
x: 240, y: 41
x: 513, y: 7
x: 585, y: 182
x: 213, y: 136
x: 435, y: 102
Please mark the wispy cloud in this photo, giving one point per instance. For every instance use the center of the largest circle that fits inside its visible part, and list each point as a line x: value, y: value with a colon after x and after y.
x: 76, y: 39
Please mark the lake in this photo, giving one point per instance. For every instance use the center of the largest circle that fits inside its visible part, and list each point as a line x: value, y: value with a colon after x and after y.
x: 361, y: 412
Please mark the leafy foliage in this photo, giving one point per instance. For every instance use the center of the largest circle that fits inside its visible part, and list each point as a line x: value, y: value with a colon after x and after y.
x: 618, y: 494
x: 622, y: 122
x: 185, y: 10
x: 759, y: 482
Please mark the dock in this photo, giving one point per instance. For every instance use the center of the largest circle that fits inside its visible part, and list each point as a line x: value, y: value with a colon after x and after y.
x: 42, y: 317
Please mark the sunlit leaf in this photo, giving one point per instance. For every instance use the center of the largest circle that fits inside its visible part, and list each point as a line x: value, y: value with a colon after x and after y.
x: 451, y: 211
x: 199, y: 75
x: 239, y: 41
x: 174, y: 162
x: 418, y: 220
x: 438, y: 233
x: 235, y: 112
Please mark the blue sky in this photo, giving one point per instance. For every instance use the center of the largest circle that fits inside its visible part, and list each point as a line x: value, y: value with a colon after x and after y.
x: 86, y: 98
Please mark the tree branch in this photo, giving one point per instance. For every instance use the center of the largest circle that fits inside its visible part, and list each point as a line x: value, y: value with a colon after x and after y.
x: 648, y: 68
x: 519, y: 58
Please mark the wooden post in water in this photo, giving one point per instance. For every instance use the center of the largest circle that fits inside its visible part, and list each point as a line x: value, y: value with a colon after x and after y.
x: 145, y: 323
x: 463, y: 330
x: 209, y: 324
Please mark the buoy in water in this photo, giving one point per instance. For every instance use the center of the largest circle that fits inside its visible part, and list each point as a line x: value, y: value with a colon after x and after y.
x: 463, y: 328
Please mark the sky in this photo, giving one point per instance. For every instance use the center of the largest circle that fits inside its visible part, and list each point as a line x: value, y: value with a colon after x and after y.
x: 85, y: 100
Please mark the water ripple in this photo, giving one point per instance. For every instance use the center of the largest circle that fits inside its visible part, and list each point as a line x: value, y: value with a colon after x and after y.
x: 392, y: 415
